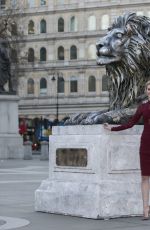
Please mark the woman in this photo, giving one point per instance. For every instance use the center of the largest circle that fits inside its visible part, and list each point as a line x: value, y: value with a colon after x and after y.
x: 142, y: 111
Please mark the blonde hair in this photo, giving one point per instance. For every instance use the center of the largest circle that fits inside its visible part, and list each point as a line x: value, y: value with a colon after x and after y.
x: 146, y: 84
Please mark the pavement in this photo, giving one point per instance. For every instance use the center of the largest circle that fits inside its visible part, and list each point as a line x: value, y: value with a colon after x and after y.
x: 18, y: 181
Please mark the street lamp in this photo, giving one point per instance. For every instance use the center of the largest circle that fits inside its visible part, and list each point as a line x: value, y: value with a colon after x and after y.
x: 56, y: 78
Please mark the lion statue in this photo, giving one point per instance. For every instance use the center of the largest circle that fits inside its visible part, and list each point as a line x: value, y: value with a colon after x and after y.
x: 125, y: 51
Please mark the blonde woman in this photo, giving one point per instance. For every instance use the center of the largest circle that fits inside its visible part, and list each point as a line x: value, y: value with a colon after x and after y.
x: 142, y: 111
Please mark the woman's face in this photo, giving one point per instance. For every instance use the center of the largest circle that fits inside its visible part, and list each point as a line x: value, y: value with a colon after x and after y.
x: 148, y: 90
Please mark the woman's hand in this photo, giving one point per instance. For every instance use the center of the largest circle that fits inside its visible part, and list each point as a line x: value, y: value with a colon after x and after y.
x: 107, y: 126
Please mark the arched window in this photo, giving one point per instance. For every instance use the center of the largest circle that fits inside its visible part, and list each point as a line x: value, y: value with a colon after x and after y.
x: 60, y: 53
x: 92, y: 84
x: 60, y: 2
x: 43, y: 86
x: 61, y: 85
x: 60, y: 25
x: 14, y: 55
x: 43, y: 54
x: 14, y: 28
x: 43, y: 26
x: 105, y: 22
x: 31, y: 27
x: 30, y: 86
x: 148, y: 14
x: 43, y: 2
x: 104, y: 83
x: 73, y: 24
x: 2, y: 4
x: 73, y: 52
x: 31, y: 3
x: 31, y: 55
x: 92, y: 52
x: 14, y: 3
x: 73, y: 85
x: 92, y: 23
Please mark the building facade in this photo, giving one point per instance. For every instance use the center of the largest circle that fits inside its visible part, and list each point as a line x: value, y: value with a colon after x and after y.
x: 58, y: 74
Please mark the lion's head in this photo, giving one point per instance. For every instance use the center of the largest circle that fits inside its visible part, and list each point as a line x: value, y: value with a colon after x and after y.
x: 125, y: 51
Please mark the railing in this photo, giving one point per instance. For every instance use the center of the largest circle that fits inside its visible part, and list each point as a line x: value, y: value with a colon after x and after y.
x: 57, y: 64
x: 63, y: 35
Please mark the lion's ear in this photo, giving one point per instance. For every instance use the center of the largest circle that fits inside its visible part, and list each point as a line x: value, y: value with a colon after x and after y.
x: 129, y: 29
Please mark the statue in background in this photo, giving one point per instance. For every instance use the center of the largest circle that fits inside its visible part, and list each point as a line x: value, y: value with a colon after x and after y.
x: 5, y: 70
x: 125, y: 51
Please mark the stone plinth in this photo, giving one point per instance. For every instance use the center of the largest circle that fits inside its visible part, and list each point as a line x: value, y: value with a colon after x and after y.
x: 44, y: 151
x: 28, y: 150
x: 11, y: 143
x: 102, y: 181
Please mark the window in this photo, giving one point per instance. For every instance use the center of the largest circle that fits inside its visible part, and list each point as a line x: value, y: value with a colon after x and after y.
x: 105, y: 22
x: 60, y: 25
x: 31, y: 27
x: 60, y: 2
x: 14, y: 28
x: 2, y: 4
x: 31, y: 3
x: 73, y: 52
x: 73, y: 24
x: 43, y: 86
x: 43, y: 26
x: 61, y: 53
x: 14, y: 3
x: 139, y: 13
x: 92, y: 23
x: 61, y: 85
x: 104, y: 83
x: 13, y: 55
x: 73, y: 85
x: 43, y: 54
x: 148, y: 14
x: 43, y: 2
x: 92, y: 52
x: 92, y: 84
x: 30, y: 86
x: 31, y: 55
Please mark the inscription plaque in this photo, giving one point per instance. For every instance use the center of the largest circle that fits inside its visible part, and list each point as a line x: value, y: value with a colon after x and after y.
x: 71, y: 157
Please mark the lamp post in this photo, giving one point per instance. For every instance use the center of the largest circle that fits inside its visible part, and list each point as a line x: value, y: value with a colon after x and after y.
x: 56, y: 78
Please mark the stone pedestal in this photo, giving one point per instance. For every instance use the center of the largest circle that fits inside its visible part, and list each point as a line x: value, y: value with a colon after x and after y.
x: 11, y: 143
x: 28, y: 150
x: 93, y: 173
x: 44, y: 151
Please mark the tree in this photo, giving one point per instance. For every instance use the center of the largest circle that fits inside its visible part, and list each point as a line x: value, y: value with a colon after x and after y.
x: 10, y: 34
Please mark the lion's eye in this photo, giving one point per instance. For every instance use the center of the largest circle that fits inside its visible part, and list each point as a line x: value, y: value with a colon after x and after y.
x: 119, y: 35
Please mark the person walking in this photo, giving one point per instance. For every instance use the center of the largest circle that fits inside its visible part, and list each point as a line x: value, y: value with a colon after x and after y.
x: 142, y: 111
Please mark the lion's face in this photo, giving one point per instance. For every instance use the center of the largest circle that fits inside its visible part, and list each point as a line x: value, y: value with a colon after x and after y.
x: 112, y: 47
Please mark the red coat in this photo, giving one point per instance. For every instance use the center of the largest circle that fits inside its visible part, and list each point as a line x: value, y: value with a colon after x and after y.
x: 22, y: 128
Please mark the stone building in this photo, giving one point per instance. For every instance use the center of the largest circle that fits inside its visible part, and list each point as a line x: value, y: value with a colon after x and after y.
x: 57, y: 63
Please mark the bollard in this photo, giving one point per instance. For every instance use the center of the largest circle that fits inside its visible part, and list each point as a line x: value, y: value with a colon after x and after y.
x: 44, y: 150
x: 27, y: 150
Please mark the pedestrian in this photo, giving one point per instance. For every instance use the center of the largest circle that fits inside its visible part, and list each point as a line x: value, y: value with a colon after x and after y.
x: 142, y: 111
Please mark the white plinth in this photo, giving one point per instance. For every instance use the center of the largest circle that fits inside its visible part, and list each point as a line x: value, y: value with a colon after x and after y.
x: 11, y: 143
x: 109, y: 186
